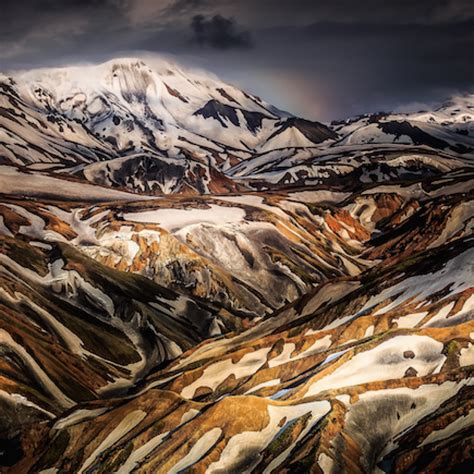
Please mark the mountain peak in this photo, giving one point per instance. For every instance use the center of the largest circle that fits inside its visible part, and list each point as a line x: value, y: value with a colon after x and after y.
x: 168, y: 120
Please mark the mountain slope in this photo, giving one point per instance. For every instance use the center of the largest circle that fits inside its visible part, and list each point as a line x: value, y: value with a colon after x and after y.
x: 194, y: 281
x: 184, y: 123
x: 294, y: 391
x: 162, y: 129
x: 393, y: 323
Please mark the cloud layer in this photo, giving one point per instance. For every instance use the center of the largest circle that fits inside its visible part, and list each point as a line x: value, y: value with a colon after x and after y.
x: 317, y: 58
x: 219, y: 32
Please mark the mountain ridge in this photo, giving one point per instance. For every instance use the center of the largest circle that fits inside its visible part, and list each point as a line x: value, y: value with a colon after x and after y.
x: 234, y: 291
x: 200, y: 132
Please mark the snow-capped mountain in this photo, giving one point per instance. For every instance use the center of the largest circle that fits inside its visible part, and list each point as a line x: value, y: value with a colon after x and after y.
x: 448, y: 127
x: 177, y: 130
x: 370, y: 147
x: 164, y: 129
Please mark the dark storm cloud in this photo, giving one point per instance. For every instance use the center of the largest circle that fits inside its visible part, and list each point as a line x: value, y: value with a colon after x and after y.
x: 301, y: 12
x: 180, y: 7
x: 20, y: 17
x: 323, y: 59
x: 363, y: 67
x: 219, y: 32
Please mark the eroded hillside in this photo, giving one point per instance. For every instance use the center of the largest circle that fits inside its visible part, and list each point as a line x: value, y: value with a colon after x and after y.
x: 230, y: 289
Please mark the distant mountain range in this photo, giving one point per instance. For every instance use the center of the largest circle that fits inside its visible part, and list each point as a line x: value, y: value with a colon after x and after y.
x: 192, y: 280
x: 167, y: 130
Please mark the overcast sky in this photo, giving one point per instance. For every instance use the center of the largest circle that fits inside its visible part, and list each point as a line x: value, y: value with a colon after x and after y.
x: 319, y: 59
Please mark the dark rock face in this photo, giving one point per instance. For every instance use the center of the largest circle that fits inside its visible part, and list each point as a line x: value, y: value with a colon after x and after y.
x: 142, y: 173
x: 219, y: 111
x: 226, y: 95
x: 10, y: 451
x: 313, y: 131
x: 409, y: 355
x: 411, y: 372
x: 419, y: 136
